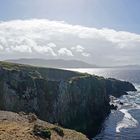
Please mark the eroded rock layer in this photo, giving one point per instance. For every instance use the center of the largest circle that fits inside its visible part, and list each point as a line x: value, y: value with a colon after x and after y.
x: 71, y: 99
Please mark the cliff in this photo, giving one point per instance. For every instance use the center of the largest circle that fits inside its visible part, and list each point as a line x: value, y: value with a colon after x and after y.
x: 70, y: 99
x: 117, y: 88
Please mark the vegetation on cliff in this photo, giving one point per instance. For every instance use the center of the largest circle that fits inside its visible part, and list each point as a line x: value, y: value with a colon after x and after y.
x: 15, y: 126
x: 71, y: 99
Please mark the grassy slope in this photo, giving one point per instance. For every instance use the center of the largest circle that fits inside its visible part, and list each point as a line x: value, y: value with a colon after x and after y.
x: 17, y: 127
x: 47, y: 73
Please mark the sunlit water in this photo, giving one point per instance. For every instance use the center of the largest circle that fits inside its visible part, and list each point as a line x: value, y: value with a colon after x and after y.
x: 123, y: 124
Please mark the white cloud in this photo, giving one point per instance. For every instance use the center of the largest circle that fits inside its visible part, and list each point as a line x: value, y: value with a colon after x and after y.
x: 65, y: 51
x: 51, y: 45
x: 21, y: 48
x: 45, y: 50
x: 78, y: 48
x: 45, y: 38
x: 86, y: 54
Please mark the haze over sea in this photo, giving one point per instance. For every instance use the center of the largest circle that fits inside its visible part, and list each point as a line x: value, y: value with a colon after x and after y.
x: 123, y: 124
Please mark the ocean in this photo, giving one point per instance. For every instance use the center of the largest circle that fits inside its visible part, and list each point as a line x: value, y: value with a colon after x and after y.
x: 124, y: 123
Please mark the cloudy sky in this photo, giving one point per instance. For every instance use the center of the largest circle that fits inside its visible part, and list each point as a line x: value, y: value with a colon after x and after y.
x: 102, y: 32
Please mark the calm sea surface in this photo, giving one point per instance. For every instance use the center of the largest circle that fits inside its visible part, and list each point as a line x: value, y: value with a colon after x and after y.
x: 123, y: 124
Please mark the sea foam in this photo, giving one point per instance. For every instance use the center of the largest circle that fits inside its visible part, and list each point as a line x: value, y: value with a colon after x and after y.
x: 127, y: 122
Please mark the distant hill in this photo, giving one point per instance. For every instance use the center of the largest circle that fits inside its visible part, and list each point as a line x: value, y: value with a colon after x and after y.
x: 53, y: 63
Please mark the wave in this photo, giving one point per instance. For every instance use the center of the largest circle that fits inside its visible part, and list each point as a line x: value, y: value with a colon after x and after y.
x: 131, y: 102
x: 124, y: 123
x: 127, y: 122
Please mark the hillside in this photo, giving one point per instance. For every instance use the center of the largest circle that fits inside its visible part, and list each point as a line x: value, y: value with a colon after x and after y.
x: 23, y: 126
x: 71, y: 99
x: 53, y: 63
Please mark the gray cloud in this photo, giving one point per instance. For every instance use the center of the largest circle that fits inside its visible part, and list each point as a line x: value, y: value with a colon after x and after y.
x: 56, y: 39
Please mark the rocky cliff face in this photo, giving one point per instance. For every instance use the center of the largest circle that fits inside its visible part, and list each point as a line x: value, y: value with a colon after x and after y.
x: 117, y: 88
x: 73, y: 100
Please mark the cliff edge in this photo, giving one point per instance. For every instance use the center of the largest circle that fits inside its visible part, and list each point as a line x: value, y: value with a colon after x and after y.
x: 71, y: 99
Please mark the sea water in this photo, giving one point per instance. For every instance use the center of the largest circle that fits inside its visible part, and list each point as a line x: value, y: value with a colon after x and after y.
x: 124, y: 123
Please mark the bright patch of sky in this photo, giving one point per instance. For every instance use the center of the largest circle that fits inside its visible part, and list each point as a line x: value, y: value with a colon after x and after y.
x: 103, y: 32
x: 115, y: 14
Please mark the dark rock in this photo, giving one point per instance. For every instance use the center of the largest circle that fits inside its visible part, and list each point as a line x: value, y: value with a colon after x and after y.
x: 113, y: 107
x: 59, y: 131
x: 121, y: 103
x: 42, y: 132
x: 118, y: 88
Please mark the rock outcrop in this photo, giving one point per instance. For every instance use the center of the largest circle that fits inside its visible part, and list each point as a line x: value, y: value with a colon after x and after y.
x: 117, y: 88
x: 70, y: 99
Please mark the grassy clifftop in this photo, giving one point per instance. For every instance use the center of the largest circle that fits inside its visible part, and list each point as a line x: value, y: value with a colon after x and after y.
x: 46, y: 73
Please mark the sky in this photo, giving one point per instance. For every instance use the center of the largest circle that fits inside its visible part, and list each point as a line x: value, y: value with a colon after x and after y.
x: 102, y: 32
